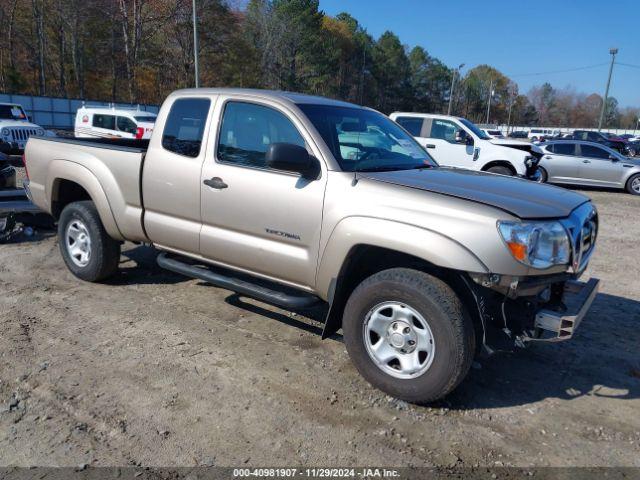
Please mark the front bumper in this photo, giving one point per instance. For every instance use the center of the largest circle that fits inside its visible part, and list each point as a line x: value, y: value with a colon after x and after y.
x: 12, y: 148
x: 555, y: 326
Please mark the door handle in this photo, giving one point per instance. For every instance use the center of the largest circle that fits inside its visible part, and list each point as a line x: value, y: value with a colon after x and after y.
x: 548, y: 157
x: 215, y: 182
x: 586, y: 161
x: 430, y: 145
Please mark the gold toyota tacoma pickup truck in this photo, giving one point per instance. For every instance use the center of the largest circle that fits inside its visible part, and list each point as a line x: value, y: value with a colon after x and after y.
x: 298, y: 200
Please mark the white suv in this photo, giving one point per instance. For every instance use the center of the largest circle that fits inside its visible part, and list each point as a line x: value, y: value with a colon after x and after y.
x: 15, y: 129
x: 457, y: 142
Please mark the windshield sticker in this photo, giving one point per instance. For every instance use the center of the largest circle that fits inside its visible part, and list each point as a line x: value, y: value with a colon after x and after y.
x: 17, y: 112
x: 412, y: 148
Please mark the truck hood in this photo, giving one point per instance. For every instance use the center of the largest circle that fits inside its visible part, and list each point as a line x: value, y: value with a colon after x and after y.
x: 505, y: 142
x: 518, y: 145
x: 522, y: 198
x: 17, y: 123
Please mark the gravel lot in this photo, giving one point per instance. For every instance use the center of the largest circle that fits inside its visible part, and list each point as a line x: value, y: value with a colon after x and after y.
x: 156, y: 369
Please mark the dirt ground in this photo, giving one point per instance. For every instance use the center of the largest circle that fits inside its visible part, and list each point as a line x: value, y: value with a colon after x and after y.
x: 158, y: 370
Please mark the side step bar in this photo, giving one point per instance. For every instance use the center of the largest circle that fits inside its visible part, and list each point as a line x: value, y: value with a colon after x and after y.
x: 289, y: 301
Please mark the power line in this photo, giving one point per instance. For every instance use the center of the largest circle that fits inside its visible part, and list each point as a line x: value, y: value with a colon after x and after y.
x: 628, y: 65
x: 561, y: 71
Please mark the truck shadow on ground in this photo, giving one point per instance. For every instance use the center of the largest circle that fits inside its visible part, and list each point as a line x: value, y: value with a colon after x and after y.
x: 601, y: 360
x: 139, y: 267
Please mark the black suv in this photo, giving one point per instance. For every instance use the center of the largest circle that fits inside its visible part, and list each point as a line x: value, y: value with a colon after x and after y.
x: 599, y: 137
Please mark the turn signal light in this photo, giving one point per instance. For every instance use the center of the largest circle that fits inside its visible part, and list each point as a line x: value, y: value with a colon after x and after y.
x: 518, y: 250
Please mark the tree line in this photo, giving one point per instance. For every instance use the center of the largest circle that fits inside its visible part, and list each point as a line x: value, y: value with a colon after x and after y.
x: 138, y: 51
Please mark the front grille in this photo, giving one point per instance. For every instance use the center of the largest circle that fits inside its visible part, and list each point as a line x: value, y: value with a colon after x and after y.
x: 582, y: 226
x: 22, y: 134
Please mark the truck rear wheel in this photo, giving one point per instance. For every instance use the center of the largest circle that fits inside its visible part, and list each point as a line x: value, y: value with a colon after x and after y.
x: 408, y: 334
x: 87, y: 249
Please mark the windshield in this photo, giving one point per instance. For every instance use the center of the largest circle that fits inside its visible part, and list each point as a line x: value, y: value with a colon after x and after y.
x: 474, y: 128
x: 364, y: 140
x: 12, y: 112
x: 145, y: 118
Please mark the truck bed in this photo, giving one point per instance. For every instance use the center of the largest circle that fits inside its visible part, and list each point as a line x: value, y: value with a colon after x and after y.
x: 125, y: 144
x: 109, y: 170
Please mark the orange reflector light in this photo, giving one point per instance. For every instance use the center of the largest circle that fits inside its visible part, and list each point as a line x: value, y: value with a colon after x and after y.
x: 518, y: 250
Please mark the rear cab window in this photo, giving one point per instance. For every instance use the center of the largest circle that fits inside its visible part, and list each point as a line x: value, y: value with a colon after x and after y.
x: 184, y: 128
x: 413, y: 125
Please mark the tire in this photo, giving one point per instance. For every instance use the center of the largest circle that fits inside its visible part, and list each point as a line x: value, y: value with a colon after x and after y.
x: 93, y: 255
x: 427, y: 299
x: 633, y: 184
x: 500, y: 170
x: 544, y: 176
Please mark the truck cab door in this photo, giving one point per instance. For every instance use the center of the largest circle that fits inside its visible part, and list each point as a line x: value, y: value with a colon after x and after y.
x: 171, y: 175
x: 255, y: 218
x: 440, y: 141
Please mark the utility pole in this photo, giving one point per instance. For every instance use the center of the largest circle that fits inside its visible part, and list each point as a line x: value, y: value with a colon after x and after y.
x: 195, y: 45
x: 489, y: 103
x: 613, y: 52
x: 511, y: 101
x: 364, y: 63
x: 453, y: 82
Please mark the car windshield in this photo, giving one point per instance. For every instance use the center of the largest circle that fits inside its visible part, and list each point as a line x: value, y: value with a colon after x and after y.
x: 474, y: 128
x: 365, y: 140
x: 12, y: 112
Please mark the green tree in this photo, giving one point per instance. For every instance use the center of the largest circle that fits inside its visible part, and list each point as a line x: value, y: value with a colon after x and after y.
x: 391, y: 73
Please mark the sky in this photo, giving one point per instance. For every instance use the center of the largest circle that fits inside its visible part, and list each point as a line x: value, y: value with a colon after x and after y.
x: 518, y: 38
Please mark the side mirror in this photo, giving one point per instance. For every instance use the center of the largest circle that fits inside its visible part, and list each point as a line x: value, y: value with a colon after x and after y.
x: 290, y: 158
x: 613, y: 158
x: 461, y: 137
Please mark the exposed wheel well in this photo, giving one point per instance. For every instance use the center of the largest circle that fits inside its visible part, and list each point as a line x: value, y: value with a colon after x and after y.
x: 64, y: 193
x: 500, y: 163
x: 366, y: 260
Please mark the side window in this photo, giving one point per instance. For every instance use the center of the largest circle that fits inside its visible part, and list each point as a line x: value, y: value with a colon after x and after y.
x: 185, y: 126
x: 564, y: 149
x: 126, y: 125
x: 593, y: 152
x: 104, y: 121
x: 247, y: 131
x: 444, y: 130
x: 594, y: 137
x: 413, y: 125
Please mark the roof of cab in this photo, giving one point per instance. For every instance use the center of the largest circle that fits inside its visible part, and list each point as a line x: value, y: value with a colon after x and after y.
x: 289, y: 97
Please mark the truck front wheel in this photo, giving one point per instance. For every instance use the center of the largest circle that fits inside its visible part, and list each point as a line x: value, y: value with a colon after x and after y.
x: 408, y: 334
x: 87, y: 249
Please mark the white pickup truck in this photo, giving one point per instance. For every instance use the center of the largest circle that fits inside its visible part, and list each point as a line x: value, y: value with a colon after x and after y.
x: 457, y: 142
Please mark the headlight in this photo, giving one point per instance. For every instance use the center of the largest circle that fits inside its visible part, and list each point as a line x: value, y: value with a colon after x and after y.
x: 537, y: 244
x: 5, y: 132
x: 40, y: 132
